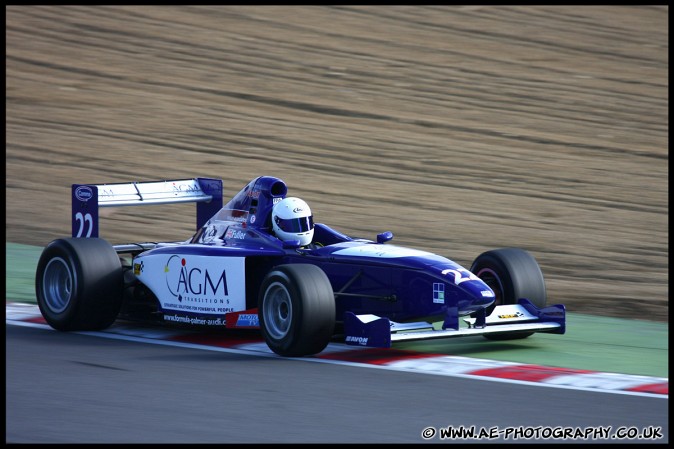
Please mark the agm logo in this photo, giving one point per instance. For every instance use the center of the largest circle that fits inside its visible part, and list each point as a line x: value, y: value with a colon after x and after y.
x: 183, y: 280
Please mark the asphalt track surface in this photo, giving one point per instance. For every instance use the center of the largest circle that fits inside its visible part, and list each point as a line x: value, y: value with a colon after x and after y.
x: 73, y: 388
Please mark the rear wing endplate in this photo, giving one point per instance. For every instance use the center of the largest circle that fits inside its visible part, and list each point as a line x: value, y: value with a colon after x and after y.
x: 88, y: 198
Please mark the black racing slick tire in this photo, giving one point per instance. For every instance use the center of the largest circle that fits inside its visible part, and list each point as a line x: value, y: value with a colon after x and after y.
x: 296, y: 309
x: 512, y: 273
x: 79, y: 284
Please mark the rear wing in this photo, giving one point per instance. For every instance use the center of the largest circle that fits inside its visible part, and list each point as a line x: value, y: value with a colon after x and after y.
x: 88, y: 198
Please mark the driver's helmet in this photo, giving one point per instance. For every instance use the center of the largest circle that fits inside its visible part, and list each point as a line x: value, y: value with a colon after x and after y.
x: 292, y: 220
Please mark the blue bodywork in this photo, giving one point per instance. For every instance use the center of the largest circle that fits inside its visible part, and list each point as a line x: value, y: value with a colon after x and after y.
x: 367, y: 277
x: 379, y: 292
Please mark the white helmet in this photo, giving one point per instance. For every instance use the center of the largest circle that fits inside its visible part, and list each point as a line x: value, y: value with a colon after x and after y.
x: 292, y: 220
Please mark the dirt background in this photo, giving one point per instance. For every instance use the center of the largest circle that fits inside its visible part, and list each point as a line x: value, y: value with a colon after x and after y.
x: 459, y: 128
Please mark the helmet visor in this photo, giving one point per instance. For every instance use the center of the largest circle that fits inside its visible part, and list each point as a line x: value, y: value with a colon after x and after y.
x: 302, y: 224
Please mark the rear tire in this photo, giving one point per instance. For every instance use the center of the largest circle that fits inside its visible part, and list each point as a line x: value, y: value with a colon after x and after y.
x: 296, y: 309
x: 79, y: 284
x: 512, y: 273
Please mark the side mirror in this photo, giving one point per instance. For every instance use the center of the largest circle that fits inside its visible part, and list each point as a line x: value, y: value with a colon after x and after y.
x: 384, y: 237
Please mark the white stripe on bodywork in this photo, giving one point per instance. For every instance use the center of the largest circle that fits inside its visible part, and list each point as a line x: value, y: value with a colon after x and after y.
x: 382, y: 251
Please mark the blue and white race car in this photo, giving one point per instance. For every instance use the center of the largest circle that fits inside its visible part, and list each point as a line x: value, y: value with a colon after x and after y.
x: 259, y: 261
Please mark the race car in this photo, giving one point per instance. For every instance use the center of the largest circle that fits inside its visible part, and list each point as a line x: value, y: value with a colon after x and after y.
x: 260, y: 262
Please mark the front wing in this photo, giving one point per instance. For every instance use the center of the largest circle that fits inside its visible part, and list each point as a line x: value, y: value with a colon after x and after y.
x: 375, y: 331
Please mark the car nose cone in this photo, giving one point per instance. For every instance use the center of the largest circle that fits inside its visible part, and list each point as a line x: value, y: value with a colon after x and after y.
x: 481, y: 296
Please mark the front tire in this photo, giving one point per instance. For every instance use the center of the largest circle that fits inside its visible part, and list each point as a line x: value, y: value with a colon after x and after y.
x: 79, y: 284
x: 296, y: 309
x: 512, y: 273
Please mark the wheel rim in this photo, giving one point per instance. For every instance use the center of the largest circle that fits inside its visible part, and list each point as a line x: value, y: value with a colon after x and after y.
x: 277, y: 311
x: 57, y: 282
x: 492, y: 280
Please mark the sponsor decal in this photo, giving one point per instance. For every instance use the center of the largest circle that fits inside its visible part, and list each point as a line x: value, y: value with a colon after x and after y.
x: 248, y: 319
x: 235, y: 234
x: 252, y: 219
x: 103, y: 191
x: 193, y: 281
x: 253, y: 194
x: 511, y: 315
x: 84, y: 193
x: 487, y: 293
x: 439, y: 293
x: 240, y: 216
x: 194, y: 320
x: 298, y: 209
x: 137, y: 268
x: 209, y: 234
x: 360, y: 340
x: 186, y: 188
x: 276, y: 200
x: 195, y: 284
